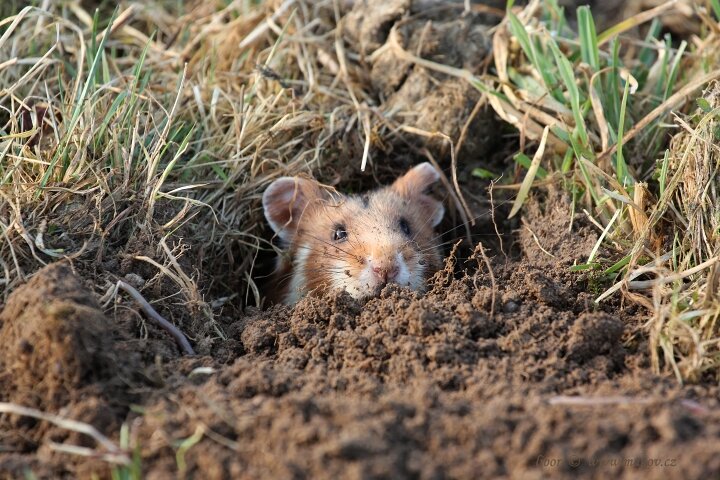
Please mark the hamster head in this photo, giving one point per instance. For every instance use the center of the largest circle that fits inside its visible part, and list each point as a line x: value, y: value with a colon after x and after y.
x: 358, y: 243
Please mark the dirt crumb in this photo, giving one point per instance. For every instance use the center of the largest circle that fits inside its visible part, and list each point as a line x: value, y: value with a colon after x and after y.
x: 594, y: 334
x: 546, y: 235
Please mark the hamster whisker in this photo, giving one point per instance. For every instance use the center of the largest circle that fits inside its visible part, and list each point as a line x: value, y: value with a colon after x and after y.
x: 308, y: 247
x: 462, y: 225
x: 289, y: 275
x: 326, y: 254
x: 455, y: 240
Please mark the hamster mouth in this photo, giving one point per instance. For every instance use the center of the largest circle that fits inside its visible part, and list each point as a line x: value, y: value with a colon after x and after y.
x: 371, y: 286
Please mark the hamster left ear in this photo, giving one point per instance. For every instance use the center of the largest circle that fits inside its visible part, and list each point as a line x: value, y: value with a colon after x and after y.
x: 416, y: 180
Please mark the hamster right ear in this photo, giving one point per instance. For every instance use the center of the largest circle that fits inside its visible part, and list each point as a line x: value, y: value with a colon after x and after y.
x: 284, y: 202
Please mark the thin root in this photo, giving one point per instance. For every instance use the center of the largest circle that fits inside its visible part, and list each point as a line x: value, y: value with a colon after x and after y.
x: 179, y: 337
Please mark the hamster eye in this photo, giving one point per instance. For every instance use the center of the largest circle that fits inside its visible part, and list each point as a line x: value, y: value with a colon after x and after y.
x: 404, y: 226
x: 340, y: 233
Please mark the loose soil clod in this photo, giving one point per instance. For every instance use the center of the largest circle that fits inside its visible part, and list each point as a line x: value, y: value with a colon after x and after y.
x: 431, y: 102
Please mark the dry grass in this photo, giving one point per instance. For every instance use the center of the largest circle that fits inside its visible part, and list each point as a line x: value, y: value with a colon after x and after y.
x: 611, y: 104
x: 156, y: 126
x: 685, y: 290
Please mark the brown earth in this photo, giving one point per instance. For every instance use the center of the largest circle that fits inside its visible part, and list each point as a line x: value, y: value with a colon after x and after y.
x: 518, y: 374
x: 528, y: 379
x: 438, y: 106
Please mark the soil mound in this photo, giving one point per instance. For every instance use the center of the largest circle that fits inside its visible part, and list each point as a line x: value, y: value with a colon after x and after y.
x: 58, y: 356
x: 440, y: 385
x: 519, y: 374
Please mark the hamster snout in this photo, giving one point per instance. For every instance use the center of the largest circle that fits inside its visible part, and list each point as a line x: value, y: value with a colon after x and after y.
x: 355, y: 243
x: 386, y: 270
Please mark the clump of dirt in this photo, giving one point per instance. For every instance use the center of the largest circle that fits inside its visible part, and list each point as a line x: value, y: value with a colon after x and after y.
x: 593, y: 335
x: 567, y: 238
x: 368, y: 23
x: 59, y: 356
x: 428, y: 100
x: 54, y: 340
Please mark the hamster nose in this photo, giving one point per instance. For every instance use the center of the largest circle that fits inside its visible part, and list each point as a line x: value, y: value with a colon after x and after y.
x: 386, y: 272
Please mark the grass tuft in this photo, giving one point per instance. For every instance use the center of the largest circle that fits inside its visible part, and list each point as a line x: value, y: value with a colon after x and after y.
x: 148, y: 118
x: 609, y: 101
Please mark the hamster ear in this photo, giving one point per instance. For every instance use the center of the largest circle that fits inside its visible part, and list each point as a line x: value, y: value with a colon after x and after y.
x: 284, y: 202
x: 416, y: 180
x: 414, y: 183
x: 434, y: 210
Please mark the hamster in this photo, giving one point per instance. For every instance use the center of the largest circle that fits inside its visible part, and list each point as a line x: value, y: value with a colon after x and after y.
x: 358, y: 243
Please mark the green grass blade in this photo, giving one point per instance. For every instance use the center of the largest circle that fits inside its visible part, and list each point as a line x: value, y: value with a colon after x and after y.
x: 716, y: 8
x: 662, y: 180
x: 620, y: 166
x: 612, y: 102
x: 568, y: 77
x: 114, y: 107
x: 584, y: 267
x: 674, y: 69
x: 525, y: 161
x: 618, y: 265
x: 663, y: 68
x: 590, y: 52
x: 528, y: 47
x: 484, y: 173
x: 61, y: 151
x: 186, y: 445
x: 93, y: 36
x: 567, y: 161
x: 646, y: 54
x: 166, y: 171
x: 106, y: 77
x: 137, y: 76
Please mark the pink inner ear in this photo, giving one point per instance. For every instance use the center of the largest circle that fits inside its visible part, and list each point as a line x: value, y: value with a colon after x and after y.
x: 283, y: 202
x: 416, y: 180
x: 434, y: 210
